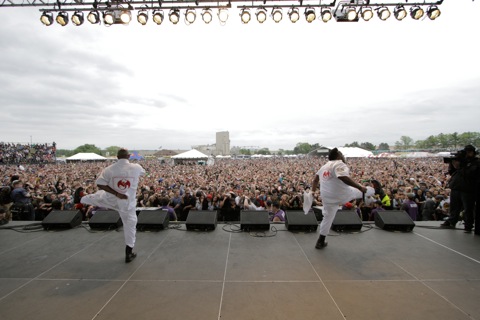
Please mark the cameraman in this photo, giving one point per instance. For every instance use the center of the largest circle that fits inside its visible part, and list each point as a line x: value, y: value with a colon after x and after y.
x: 463, y: 169
x: 22, y: 200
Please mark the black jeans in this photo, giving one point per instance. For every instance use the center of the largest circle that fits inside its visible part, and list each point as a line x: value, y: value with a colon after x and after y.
x: 462, y: 201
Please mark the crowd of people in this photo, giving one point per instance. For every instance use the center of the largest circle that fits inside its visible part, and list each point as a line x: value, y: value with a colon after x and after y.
x: 18, y: 153
x: 229, y: 186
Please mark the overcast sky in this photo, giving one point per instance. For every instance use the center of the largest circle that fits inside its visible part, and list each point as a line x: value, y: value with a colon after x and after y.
x: 270, y: 85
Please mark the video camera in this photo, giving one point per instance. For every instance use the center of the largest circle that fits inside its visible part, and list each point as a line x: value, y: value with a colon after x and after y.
x: 459, y: 155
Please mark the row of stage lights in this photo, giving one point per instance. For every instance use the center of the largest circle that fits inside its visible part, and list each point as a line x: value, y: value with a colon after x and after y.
x: 124, y: 16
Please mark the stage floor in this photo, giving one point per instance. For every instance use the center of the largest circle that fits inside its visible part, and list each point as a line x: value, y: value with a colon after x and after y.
x: 425, y: 274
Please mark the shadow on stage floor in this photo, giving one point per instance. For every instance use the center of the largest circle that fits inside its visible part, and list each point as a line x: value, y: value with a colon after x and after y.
x: 425, y: 274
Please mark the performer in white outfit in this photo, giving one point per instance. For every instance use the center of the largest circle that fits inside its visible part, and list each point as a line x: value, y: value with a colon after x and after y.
x: 336, y: 188
x: 118, y: 190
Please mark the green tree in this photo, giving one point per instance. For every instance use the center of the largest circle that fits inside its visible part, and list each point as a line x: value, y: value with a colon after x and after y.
x: 405, y: 142
x: 383, y: 146
x: 264, y: 151
x: 354, y: 144
x: 112, y: 150
x: 367, y: 146
x: 64, y: 153
x: 245, y: 151
x: 88, y: 148
x: 302, y: 148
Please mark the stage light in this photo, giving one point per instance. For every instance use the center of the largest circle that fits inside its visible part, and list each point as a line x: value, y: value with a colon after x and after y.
x: 207, y: 16
x: 261, y: 15
x: 158, y: 17
x: 142, y: 17
x: 46, y: 18
x: 277, y: 14
x: 400, y: 13
x: 222, y: 15
x: 367, y: 14
x: 383, y: 13
x: 326, y: 14
x: 310, y: 15
x: 245, y: 16
x: 125, y: 16
x: 174, y: 16
x: 108, y: 17
x: 416, y: 12
x: 62, y: 18
x: 93, y: 17
x: 77, y: 18
x: 294, y: 15
x: 433, y: 12
x: 351, y: 14
x: 190, y: 16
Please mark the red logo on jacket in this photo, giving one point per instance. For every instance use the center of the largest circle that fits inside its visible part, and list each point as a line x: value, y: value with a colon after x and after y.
x: 123, y: 184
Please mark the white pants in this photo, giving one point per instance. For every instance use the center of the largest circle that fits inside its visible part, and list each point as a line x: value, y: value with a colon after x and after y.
x: 329, y: 212
x: 128, y: 216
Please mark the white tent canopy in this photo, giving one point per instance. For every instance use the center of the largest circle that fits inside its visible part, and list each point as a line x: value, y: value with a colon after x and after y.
x: 86, y: 156
x: 355, y: 152
x: 192, y: 154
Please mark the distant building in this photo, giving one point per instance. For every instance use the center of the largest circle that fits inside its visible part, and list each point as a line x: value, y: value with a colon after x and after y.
x: 222, y: 143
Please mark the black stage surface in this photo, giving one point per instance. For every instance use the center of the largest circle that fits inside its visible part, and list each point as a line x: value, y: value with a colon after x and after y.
x: 425, y: 274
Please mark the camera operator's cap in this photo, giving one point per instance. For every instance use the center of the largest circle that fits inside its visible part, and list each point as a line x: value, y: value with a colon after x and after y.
x: 469, y: 147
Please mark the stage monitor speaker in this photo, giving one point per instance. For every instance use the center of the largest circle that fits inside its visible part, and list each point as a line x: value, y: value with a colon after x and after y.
x: 105, y: 220
x: 394, y: 220
x: 347, y: 220
x: 201, y: 220
x: 153, y: 220
x: 299, y: 221
x: 318, y: 212
x: 254, y: 220
x: 58, y: 219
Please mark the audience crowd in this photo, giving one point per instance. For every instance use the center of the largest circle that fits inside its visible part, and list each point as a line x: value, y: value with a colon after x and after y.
x: 17, y: 153
x: 229, y: 186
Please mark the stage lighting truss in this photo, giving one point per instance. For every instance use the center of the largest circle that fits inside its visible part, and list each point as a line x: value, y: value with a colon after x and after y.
x: 120, y: 11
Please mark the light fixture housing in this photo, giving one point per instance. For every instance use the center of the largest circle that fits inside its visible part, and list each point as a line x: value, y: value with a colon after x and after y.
x: 383, y: 13
x: 62, y: 18
x: 277, y: 14
x: 142, y: 17
x: 207, y: 16
x: 433, y: 12
x: 174, y: 16
x: 158, y: 16
x: 190, y: 16
x: 294, y: 15
x: 326, y: 14
x: 47, y: 18
x: 222, y: 15
x: 310, y: 15
x: 416, y: 12
x: 93, y: 17
x: 109, y: 17
x: 367, y: 13
x: 351, y: 14
x: 400, y: 13
x: 125, y: 16
x: 245, y: 16
x: 261, y: 15
x: 77, y: 18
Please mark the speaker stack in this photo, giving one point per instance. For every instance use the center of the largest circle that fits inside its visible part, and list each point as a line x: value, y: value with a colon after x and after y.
x: 299, y: 221
x: 105, y: 220
x: 254, y: 220
x: 153, y: 220
x: 347, y: 220
x: 201, y: 220
x: 58, y: 219
x: 394, y: 220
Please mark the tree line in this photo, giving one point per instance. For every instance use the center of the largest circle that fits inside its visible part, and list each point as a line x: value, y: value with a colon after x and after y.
x: 442, y: 141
